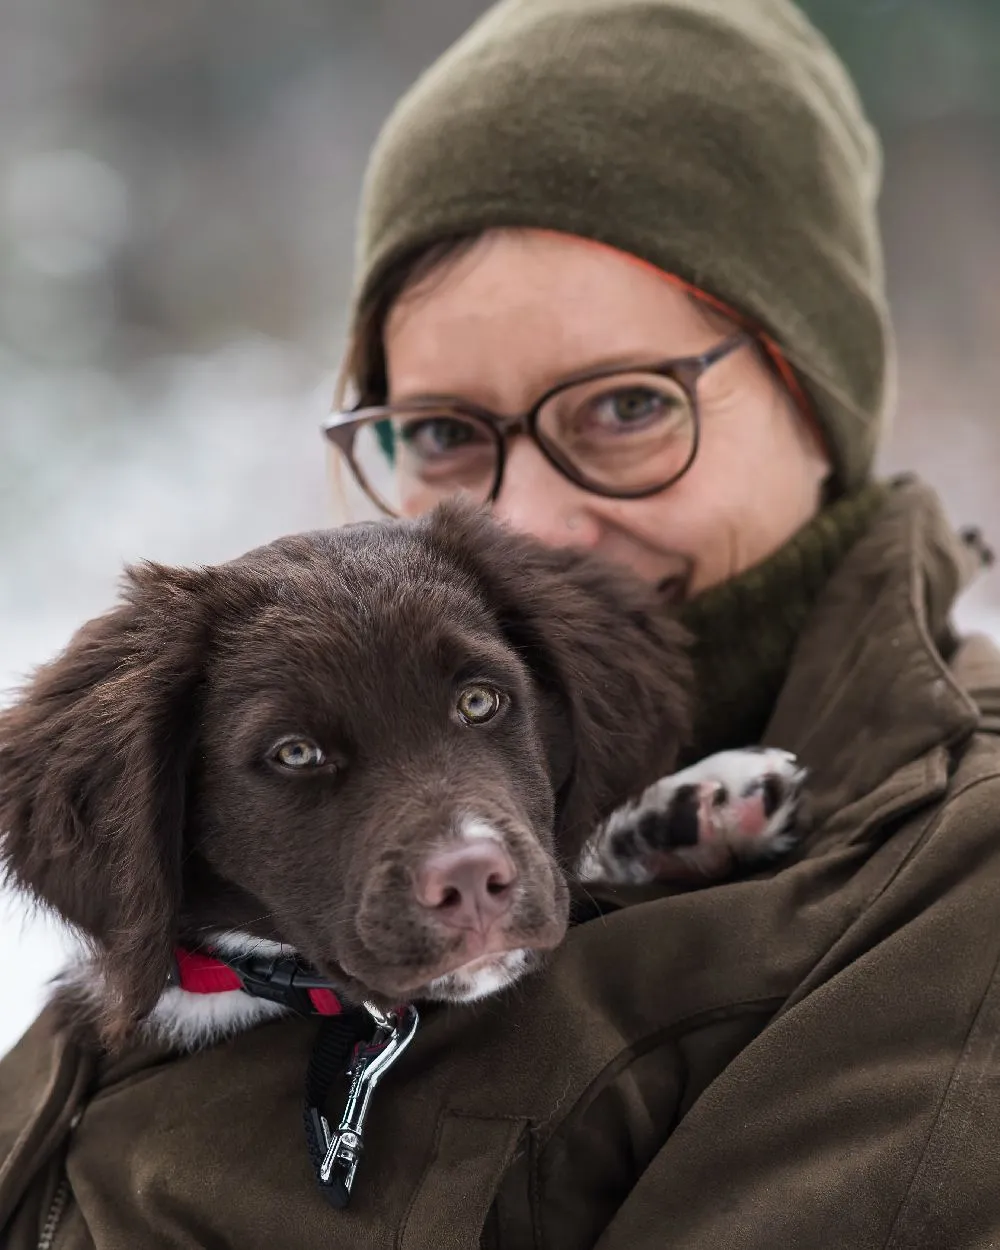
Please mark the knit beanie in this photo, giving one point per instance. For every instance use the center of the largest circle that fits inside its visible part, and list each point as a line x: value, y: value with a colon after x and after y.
x: 719, y: 140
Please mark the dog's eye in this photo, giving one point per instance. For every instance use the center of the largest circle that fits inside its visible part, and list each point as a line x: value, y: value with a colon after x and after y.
x: 478, y: 704
x: 298, y: 753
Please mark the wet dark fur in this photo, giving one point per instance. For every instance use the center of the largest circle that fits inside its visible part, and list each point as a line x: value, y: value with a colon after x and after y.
x: 135, y: 794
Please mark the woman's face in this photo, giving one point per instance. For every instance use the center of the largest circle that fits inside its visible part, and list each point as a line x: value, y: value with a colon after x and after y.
x: 524, y: 310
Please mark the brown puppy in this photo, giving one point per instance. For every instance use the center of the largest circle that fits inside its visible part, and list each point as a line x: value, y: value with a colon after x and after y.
x: 381, y: 746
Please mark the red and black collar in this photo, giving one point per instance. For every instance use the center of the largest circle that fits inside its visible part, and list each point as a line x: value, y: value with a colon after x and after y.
x: 280, y: 979
x: 285, y: 979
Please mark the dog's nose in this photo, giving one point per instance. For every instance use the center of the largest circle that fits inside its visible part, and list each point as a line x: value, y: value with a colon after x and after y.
x: 468, y: 887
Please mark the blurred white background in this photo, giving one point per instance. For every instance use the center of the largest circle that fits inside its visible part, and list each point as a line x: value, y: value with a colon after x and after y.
x: 177, y: 190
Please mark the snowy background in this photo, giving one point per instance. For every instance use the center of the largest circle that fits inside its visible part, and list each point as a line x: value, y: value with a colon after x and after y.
x: 177, y: 189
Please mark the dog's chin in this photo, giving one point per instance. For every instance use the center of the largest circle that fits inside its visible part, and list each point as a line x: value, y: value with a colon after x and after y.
x: 476, y: 978
x: 480, y: 977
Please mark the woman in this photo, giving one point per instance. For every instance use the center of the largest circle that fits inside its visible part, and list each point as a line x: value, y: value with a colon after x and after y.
x: 620, y: 279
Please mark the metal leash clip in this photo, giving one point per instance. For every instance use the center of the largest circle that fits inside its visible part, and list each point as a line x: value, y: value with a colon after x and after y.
x: 393, y: 1033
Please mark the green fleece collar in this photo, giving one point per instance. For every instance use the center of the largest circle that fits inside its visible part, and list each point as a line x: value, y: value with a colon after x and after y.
x: 746, y: 629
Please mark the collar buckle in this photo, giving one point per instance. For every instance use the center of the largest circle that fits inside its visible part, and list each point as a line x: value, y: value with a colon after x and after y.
x: 282, y: 979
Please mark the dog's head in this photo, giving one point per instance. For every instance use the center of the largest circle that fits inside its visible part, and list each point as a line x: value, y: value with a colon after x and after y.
x: 382, y: 745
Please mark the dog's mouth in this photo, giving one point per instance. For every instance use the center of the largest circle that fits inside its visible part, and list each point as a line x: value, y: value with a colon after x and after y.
x: 480, y: 977
x: 466, y: 974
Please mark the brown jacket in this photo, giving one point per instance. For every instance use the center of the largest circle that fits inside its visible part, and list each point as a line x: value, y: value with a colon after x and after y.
x: 807, y: 1058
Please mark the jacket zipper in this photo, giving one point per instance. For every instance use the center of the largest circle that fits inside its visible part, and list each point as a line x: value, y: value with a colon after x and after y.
x: 55, y: 1214
x: 57, y: 1207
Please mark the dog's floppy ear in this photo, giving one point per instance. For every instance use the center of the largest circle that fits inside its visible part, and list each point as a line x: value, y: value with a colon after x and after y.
x: 93, y: 757
x: 604, y: 643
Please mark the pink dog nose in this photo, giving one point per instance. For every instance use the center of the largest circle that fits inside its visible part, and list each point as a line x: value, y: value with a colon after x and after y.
x: 468, y: 887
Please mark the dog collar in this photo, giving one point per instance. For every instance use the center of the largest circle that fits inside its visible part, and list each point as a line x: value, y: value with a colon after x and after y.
x: 280, y: 979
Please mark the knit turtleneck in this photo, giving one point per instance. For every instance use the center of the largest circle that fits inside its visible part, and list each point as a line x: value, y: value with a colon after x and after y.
x: 745, y: 629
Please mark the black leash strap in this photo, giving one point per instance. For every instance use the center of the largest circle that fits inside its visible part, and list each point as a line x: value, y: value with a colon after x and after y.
x: 338, y: 1036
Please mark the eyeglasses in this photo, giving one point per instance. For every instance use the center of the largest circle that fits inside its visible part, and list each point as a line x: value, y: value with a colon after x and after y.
x: 620, y: 433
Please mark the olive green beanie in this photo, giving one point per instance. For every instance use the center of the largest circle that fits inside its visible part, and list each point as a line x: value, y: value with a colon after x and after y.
x: 720, y: 140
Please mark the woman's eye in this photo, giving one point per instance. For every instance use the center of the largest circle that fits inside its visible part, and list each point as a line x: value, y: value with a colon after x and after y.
x: 478, y: 704
x: 439, y: 436
x: 633, y: 407
x: 298, y: 754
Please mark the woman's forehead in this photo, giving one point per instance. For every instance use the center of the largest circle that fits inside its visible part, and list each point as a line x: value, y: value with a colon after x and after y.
x: 523, y: 309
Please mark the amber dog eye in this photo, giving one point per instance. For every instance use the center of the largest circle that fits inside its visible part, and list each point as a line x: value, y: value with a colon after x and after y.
x: 298, y: 754
x: 479, y: 704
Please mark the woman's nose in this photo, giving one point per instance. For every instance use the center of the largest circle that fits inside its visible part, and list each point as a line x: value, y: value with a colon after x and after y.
x: 536, y: 499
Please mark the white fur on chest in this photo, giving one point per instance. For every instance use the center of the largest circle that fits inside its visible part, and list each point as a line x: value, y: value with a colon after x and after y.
x: 187, y: 1021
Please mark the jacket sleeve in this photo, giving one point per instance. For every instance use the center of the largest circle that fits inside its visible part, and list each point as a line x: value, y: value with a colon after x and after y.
x: 867, y: 1114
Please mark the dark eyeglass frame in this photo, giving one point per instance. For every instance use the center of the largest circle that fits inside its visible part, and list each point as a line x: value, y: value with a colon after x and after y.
x: 340, y: 428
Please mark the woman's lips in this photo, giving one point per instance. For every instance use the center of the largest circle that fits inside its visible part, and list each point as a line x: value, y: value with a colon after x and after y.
x: 674, y: 588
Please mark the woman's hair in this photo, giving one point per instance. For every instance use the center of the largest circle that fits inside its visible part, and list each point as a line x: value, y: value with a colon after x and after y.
x: 363, y: 372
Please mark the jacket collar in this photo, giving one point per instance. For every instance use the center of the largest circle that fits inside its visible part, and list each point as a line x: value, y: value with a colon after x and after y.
x: 869, y: 691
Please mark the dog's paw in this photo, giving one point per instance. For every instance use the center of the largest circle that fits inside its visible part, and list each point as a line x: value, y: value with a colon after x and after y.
x: 736, y: 807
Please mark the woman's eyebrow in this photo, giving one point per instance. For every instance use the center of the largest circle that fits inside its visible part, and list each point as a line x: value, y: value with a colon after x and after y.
x: 435, y: 397
x: 607, y: 364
